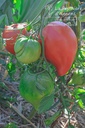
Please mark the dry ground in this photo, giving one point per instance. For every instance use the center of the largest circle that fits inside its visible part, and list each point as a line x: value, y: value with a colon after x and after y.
x: 18, y: 110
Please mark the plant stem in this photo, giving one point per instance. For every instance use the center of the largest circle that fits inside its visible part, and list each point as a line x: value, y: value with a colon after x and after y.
x: 32, y: 113
x: 5, y: 53
x: 17, y: 111
x: 78, y: 27
x: 42, y: 38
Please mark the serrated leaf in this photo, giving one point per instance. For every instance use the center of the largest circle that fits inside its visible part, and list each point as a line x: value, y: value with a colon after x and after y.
x: 82, y: 18
x: 74, y: 3
x: 80, y: 97
x: 46, y: 103
x: 59, y: 4
x: 66, y: 10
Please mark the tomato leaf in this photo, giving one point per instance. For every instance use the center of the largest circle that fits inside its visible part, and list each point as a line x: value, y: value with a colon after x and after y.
x: 46, y: 103
x: 11, y: 125
x: 59, y: 4
x: 74, y: 3
x: 3, y: 19
x: 11, y: 69
x: 3, y: 85
x: 50, y: 120
x: 80, y: 97
x: 82, y: 18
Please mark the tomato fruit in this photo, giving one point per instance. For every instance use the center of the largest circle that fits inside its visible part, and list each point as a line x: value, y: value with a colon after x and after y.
x: 60, y: 44
x: 35, y: 86
x: 27, y: 50
x: 11, y: 33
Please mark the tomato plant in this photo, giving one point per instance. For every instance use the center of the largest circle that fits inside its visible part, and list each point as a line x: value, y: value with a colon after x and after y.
x: 11, y: 33
x: 45, y: 38
x: 27, y: 50
x: 60, y: 44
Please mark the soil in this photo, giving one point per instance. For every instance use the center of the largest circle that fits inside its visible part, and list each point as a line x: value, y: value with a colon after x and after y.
x: 13, y: 108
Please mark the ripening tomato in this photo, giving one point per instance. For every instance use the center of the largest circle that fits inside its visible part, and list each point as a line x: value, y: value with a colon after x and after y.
x: 11, y: 33
x: 60, y: 44
x: 27, y: 50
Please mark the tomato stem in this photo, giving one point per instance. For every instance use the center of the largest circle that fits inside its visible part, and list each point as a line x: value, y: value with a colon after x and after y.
x: 42, y: 38
x: 5, y: 53
x: 78, y: 27
x: 32, y: 113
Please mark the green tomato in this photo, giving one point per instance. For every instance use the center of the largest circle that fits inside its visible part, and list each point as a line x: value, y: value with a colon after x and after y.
x: 35, y: 87
x: 27, y: 50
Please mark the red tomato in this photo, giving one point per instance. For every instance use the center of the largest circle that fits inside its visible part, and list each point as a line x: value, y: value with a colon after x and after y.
x: 11, y: 33
x: 60, y: 46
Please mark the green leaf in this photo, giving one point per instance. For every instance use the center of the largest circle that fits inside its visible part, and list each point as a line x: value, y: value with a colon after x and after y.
x: 2, y: 2
x: 62, y: 78
x: 30, y: 9
x: 74, y: 3
x: 83, y: 32
x: 59, y: 4
x: 79, y: 91
x: 11, y: 69
x: 11, y: 125
x: 83, y: 37
x: 3, y: 85
x: 50, y: 120
x: 6, y: 10
x: 46, y: 103
x: 78, y: 77
x: 66, y: 10
x: 3, y: 18
x: 16, y: 10
x: 82, y: 18
x: 79, y: 95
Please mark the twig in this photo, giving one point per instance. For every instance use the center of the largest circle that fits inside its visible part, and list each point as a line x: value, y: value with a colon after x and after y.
x: 16, y: 110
